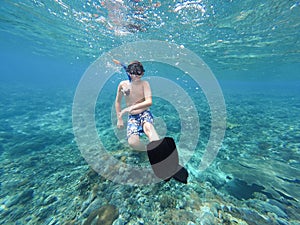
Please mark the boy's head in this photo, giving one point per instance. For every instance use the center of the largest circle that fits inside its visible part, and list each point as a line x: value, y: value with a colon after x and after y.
x: 135, y: 68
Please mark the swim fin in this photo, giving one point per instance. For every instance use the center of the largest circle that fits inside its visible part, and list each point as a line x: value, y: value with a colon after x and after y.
x: 164, y: 160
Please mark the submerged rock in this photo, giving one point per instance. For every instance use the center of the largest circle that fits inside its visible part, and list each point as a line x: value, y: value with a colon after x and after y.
x: 49, y: 200
x: 105, y: 215
x: 21, y: 198
x: 252, y: 217
x: 1, y: 149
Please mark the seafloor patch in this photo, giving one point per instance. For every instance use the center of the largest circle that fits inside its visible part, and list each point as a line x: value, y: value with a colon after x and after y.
x: 45, y: 180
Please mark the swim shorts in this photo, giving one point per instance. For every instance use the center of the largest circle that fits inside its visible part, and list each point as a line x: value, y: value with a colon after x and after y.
x: 135, y: 123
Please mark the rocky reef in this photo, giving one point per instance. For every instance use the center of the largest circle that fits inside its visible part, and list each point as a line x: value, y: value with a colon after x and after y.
x: 45, y: 180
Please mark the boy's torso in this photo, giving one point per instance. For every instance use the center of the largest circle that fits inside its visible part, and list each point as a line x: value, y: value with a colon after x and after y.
x: 136, y: 94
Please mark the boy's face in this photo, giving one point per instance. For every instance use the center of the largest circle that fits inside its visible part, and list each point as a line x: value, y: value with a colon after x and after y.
x: 135, y: 70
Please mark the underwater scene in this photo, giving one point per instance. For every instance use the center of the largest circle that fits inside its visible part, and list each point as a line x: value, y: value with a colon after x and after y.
x: 225, y: 82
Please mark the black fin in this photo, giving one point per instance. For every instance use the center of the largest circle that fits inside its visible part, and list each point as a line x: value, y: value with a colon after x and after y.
x: 164, y: 160
x: 181, y: 175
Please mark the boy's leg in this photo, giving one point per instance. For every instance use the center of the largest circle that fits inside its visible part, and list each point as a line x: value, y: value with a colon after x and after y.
x: 133, y: 137
x: 135, y: 143
x: 150, y: 131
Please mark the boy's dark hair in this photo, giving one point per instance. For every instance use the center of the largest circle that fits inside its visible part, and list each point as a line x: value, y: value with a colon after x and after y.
x: 135, y: 68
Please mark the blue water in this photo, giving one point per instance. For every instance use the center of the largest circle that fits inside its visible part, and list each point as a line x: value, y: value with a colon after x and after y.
x: 252, y: 49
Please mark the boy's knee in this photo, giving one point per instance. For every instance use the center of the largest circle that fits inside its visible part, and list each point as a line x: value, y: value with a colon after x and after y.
x: 133, y: 141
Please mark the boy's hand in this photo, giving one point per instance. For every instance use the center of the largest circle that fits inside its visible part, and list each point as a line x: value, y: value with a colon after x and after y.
x: 120, y: 123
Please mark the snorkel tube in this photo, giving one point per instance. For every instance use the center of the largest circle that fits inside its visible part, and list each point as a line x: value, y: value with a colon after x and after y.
x: 124, y: 67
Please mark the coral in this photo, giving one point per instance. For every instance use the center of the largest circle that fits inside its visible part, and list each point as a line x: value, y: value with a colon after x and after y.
x: 88, y: 182
x: 232, y: 125
x: 167, y: 202
x: 105, y: 215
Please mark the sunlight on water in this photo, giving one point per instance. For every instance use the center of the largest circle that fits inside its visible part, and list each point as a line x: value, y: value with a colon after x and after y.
x: 230, y: 33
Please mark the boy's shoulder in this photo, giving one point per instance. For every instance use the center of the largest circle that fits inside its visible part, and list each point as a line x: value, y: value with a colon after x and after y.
x: 127, y: 82
x: 144, y: 82
x: 124, y: 82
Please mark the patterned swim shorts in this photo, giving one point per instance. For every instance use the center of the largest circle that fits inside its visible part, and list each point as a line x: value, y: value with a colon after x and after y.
x: 135, y: 123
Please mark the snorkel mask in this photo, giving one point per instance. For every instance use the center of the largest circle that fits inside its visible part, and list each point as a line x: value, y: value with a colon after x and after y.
x: 135, y: 68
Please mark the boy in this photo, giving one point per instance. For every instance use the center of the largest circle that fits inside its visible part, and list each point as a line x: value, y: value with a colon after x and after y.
x: 162, y: 154
x: 138, y: 97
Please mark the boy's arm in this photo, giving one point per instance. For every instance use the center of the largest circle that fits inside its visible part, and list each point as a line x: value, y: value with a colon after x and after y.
x: 118, y: 101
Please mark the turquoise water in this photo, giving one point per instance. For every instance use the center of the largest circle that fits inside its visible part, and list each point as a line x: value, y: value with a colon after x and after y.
x: 251, y: 47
